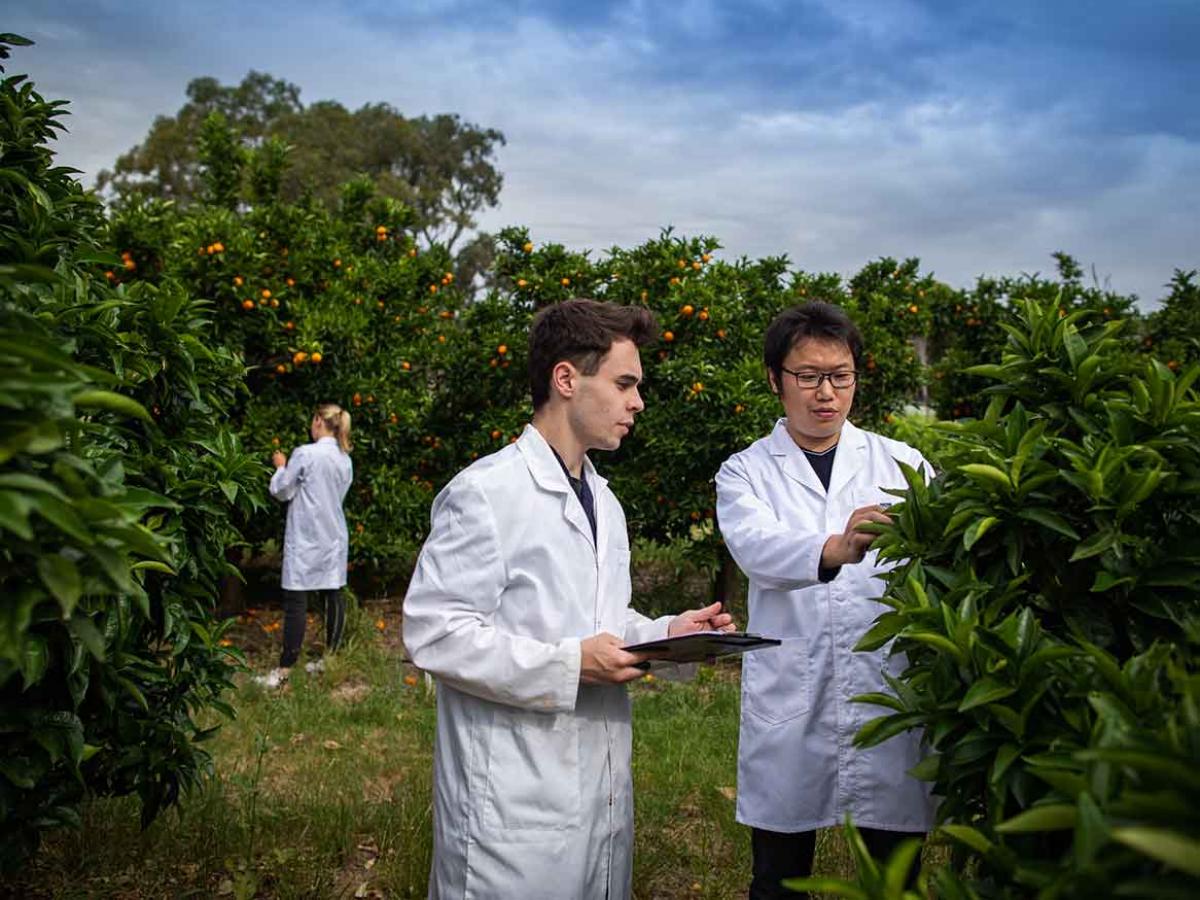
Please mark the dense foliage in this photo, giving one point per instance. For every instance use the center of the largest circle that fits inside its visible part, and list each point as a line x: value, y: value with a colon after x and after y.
x: 1048, y: 601
x: 121, y: 485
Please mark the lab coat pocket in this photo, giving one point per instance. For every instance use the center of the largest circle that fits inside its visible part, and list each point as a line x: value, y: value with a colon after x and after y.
x: 776, y: 683
x: 533, y: 771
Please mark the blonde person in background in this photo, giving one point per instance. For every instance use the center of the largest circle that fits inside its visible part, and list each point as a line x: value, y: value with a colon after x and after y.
x: 316, y: 543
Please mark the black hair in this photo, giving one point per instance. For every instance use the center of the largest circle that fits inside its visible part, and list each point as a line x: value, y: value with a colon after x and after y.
x: 814, y: 319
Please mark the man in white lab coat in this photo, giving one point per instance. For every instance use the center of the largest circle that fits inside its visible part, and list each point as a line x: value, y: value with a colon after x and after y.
x: 519, y: 605
x: 788, y: 506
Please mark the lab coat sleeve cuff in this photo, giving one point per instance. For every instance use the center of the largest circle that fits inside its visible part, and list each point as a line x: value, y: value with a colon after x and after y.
x: 571, y: 656
x: 639, y: 629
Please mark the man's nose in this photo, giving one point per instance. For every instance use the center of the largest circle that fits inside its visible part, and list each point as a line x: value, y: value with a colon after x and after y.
x: 825, y: 389
x: 636, y: 403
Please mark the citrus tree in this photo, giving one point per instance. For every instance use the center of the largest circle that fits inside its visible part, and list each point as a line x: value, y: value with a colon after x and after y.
x: 1048, y: 600
x: 121, y: 485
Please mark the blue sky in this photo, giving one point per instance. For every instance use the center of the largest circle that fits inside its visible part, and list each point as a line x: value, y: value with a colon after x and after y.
x: 978, y: 136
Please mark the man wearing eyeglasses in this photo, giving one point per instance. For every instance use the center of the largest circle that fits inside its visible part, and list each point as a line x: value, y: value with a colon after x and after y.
x: 788, y: 507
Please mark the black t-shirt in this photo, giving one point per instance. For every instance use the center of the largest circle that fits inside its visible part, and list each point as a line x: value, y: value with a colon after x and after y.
x: 822, y: 464
x: 582, y: 491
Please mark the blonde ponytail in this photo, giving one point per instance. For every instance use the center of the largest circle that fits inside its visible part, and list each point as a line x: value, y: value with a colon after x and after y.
x: 337, y: 420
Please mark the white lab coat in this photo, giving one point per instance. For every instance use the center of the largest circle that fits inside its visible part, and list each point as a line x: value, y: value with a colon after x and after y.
x: 315, y: 542
x: 797, y: 767
x: 532, y: 783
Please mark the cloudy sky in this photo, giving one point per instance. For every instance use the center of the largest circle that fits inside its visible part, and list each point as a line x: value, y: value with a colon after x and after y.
x: 978, y: 136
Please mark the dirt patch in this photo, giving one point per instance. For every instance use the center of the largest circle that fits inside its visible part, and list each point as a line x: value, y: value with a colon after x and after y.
x: 349, y: 692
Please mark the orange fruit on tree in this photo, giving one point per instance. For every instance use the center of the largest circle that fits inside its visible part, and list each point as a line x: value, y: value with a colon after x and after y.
x: 266, y: 294
x: 502, y: 349
x: 410, y: 680
x: 914, y: 309
x: 687, y: 309
x: 247, y: 304
x: 412, y: 252
x: 291, y: 282
x: 696, y: 264
x: 668, y: 336
x: 697, y: 387
x: 495, y: 434
x: 528, y: 248
x: 565, y: 282
x: 238, y: 281
x: 441, y: 339
x: 337, y: 263
x: 274, y: 303
x: 370, y: 398
x: 703, y: 315
x: 674, y: 281
x: 288, y: 326
x: 521, y: 282
x: 433, y: 289
x: 356, y: 399
x: 316, y: 357
x: 707, y: 257
x: 682, y: 263
x: 405, y: 365
x: 721, y: 334
x: 275, y: 442
x: 281, y: 368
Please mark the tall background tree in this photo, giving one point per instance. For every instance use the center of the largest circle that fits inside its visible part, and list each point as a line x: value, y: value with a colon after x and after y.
x: 441, y: 167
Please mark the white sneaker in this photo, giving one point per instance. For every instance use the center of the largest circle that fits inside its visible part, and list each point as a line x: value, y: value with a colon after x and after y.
x: 276, y: 678
x: 316, y: 667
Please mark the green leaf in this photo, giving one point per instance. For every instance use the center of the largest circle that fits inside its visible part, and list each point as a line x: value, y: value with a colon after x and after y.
x: 879, y: 730
x: 884, y: 629
x: 937, y: 642
x: 113, y: 402
x: 229, y: 489
x: 986, y: 474
x: 976, y: 530
x: 985, y: 690
x: 928, y: 768
x: 1051, y: 817
x: 966, y: 835
x: 1004, y: 758
x: 85, y: 630
x: 823, y: 884
x: 14, y: 514
x: 1106, y: 581
x: 1095, y: 545
x: 880, y: 699
x: 1170, y: 847
x: 61, y: 576
x: 1048, y: 519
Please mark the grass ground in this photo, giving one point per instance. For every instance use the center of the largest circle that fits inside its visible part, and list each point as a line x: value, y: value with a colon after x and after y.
x: 323, y: 790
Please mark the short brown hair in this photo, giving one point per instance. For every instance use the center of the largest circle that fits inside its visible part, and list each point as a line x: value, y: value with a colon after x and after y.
x: 581, y: 332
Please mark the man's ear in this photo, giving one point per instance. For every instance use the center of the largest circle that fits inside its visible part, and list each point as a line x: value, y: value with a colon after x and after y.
x: 564, y: 378
x: 774, y: 385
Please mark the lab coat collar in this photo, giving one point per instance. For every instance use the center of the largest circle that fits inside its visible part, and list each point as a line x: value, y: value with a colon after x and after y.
x: 847, y: 460
x: 549, y: 475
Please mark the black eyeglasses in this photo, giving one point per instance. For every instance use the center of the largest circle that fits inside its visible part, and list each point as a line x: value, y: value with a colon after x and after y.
x: 810, y: 381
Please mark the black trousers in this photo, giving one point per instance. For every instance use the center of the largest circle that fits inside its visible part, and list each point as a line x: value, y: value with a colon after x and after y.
x: 295, y: 615
x: 778, y: 856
